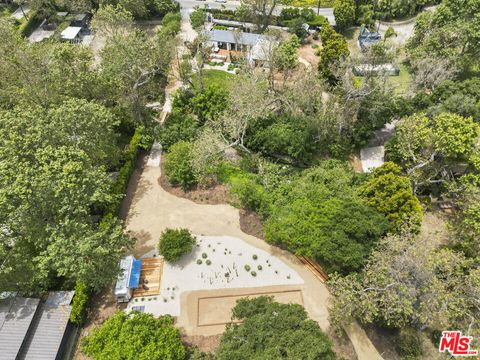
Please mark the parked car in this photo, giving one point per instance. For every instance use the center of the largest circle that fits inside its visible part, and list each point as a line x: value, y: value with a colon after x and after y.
x: 221, y: 1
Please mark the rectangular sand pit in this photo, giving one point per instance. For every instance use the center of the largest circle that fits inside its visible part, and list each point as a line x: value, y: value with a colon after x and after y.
x: 217, y: 310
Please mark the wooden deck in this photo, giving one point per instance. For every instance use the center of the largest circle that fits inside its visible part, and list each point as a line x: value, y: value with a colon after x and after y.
x: 150, y: 277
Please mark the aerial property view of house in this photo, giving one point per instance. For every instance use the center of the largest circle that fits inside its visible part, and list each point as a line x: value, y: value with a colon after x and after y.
x: 239, y: 180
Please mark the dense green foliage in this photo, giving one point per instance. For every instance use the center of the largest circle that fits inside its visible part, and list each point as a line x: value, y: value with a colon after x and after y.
x: 197, y: 18
x: 407, y: 282
x: 344, y: 12
x: 135, y: 336
x: 390, y: 193
x: 144, y: 8
x: 178, y: 165
x: 431, y: 148
x: 270, y: 330
x: 79, y: 304
x: 52, y: 173
x: 450, y: 32
x: 174, y: 243
x: 409, y: 344
x: 320, y: 216
x: 333, y: 52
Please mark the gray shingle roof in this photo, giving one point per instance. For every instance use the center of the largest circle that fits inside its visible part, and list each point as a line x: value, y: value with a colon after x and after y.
x: 16, y: 315
x: 226, y: 36
x: 48, y: 330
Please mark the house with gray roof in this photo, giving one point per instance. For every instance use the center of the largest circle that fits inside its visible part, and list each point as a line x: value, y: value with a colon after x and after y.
x: 256, y: 47
x: 32, y: 329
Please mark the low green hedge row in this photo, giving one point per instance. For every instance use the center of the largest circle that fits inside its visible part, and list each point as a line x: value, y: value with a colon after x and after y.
x: 79, y: 305
x: 120, y: 185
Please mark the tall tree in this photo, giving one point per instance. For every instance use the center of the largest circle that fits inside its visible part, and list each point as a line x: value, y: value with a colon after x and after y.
x: 344, y: 12
x: 270, y: 330
x: 432, y: 148
x: 408, y: 282
x: 390, y: 193
x: 262, y: 10
x: 51, y: 177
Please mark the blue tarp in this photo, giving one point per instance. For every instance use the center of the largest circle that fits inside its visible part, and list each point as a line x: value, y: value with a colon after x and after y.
x: 135, y: 274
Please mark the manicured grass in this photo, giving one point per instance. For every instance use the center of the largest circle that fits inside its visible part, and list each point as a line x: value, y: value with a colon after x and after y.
x: 215, y: 77
x: 402, y: 81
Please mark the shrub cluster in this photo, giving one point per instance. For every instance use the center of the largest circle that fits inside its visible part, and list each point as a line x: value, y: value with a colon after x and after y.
x: 174, y: 243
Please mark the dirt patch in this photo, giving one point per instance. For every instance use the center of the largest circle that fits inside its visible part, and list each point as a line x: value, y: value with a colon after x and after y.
x: 251, y: 224
x: 342, y: 346
x: 214, y: 195
x: 435, y: 228
x: 217, y: 310
x: 308, y: 53
x: 207, y: 344
x: 383, y: 339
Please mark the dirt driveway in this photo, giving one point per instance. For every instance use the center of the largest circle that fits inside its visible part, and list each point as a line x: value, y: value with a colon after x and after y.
x: 151, y: 210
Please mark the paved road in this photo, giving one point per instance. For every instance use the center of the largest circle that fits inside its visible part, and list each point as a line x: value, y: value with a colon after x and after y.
x: 233, y: 4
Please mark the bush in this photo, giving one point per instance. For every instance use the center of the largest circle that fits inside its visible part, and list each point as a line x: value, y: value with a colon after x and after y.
x: 204, y: 255
x: 208, y: 262
x: 174, y: 243
x: 409, y: 344
x: 177, y: 127
x: 259, y: 267
x: 254, y: 273
x: 79, y: 305
x: 197, y: 18
x: 246, y: 192
x: 247, y: 267
x: 199, y: 261
x: 178, y: 165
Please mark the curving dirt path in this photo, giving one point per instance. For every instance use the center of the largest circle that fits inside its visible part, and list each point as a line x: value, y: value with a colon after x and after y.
x: 151, y: 210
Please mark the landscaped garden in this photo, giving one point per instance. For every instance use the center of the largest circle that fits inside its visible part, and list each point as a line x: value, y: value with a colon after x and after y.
x: 216, y: 262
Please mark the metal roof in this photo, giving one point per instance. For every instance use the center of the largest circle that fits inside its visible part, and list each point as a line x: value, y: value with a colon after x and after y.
x: 48, y: 330
x: 123, y: 279
x: 60, y: 297
x: 16, y: 315
x: 227, y: 36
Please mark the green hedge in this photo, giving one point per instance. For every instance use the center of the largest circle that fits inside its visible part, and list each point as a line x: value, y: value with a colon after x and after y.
x: 121, y: 183
x: 79, y: 305
x: 26, y: 27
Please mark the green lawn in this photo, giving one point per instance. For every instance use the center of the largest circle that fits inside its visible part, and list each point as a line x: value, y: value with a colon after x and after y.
x: 215, y: 77
x: 402, y: 81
